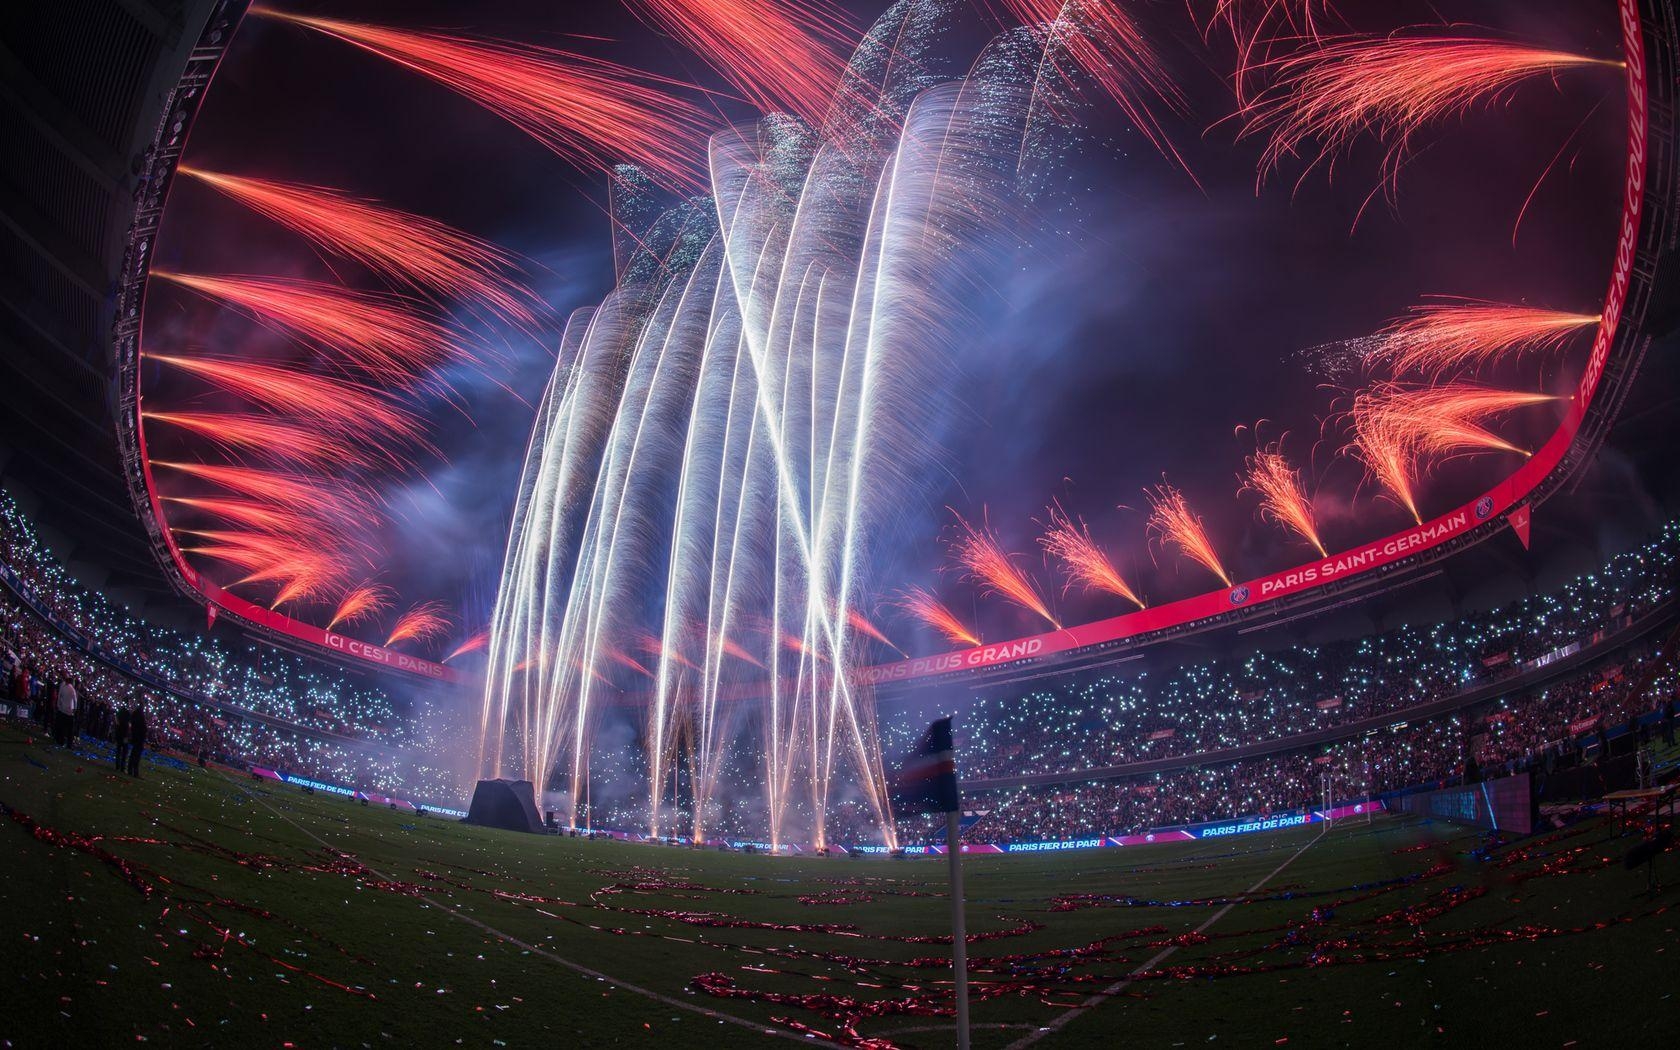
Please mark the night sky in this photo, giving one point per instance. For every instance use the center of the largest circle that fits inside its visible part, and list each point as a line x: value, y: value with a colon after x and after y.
x: 1153, y: 319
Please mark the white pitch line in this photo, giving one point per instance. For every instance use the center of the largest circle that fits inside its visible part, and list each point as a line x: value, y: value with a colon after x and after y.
x: 1119, y: 986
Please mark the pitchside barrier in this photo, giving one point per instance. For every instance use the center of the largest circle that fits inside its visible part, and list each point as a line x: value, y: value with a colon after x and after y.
x: 1505, y: 804
x: 355, y: 794
x: 1213, y: 829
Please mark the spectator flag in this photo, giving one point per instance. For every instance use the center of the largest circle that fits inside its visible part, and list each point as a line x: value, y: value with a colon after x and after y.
x: 926, y: 781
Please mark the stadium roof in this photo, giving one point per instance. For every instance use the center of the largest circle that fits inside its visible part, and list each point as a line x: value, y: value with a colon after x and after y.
x: 82, y: 86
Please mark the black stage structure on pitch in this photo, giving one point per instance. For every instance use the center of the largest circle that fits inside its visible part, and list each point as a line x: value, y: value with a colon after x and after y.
x: 507, y: 804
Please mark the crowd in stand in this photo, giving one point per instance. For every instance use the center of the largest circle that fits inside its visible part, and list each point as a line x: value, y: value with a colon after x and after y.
x: 246, y: 704
x: 237, y: 703
x: 239, y: 674
x: 1113, y: 720
x: 1089, y: 725
x: 1108, y: 721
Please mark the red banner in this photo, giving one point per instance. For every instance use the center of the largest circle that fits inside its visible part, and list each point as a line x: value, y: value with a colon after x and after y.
x: 1369, y: 557
x: 1520, y: 520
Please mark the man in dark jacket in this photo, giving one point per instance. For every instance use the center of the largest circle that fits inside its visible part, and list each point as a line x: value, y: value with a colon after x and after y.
x: 119, y: 739
x: 136, y: 738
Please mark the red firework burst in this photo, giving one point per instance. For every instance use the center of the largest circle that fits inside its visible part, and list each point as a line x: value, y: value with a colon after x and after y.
x: 931, y: 611
x: 360, y: 603
x: 779, y: 54
x: 1086, y: 564
x: 306, y: 497
x: 624, y: 659
x: 244, y: 433
x: 861, y: 624
x: 421, y: 623
x: 729, y: 647
x: 1172, y: 521
x: 1443, y: 337
x: 1283, y: 497
x: 590, y: 112
x: 1392, y: 87
x: 993, y: 569
x: 1099, y: 40
x: 410, y: 250
x: 1435, y: 421
x: 379, y: 336
x: 260, y: 516
x: 1394, y: 428
x: 351, y: 412
x: 647, y: 643
x: 472, y: 644
x: 302, y: 569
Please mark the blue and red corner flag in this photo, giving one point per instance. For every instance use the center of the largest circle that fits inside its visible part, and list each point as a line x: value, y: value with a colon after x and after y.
x: 926, y: 782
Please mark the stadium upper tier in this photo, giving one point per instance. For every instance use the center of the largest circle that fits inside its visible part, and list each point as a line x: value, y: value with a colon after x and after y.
x: 1091, y: 722
x: 1087, y: 734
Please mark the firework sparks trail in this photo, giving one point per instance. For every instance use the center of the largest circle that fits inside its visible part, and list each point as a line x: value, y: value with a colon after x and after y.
x: 376, y: 335
x: 1392, y: 87
x: 1395, y: 427
x: 472, y: 644
x: 1387, y: 454
x: 1435, y: 421
x: 1086, y: 564
x: 1283, y: 496
x: 933, y: 612
x: 779, y: 54
x: 317, y: 519
x: 409, y: 250
x: 994, y: 570
x: 421, y: 623
x: 863, y: 626
x: 794, y: 643
x: 1172, y: 521
x: 353, y: 413
x: 305, y: 496
x: 256, y: 433
x: 260, y: 516
x: 1100, y: 40
x: 624, y: 659
x: 1259, y: 27
x: 730, y: 647
x: 590, y: 112
x: 360, y: 603
x: 1444, y: 337
x: 303, y: 569
x: 647, y: 643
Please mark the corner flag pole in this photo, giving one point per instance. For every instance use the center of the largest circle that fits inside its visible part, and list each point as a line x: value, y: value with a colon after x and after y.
x: 927, y: 783
x: 959, y: 934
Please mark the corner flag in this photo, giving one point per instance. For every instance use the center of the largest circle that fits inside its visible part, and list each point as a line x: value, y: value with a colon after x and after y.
x: 927, y: 779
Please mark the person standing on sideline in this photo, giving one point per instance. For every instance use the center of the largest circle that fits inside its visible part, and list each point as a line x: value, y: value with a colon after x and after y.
x: 119, y: 739
x: 66, y: 720
x: 136, y: 738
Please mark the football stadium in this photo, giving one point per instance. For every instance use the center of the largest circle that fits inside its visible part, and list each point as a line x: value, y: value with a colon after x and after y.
x: 867, y: 523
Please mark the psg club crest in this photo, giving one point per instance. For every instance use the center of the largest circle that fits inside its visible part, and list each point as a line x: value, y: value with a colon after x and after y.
x: 1484, y: 507
x: 1239, y: 595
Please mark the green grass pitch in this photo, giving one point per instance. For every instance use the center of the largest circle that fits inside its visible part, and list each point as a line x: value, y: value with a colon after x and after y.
x: 199, y: 907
